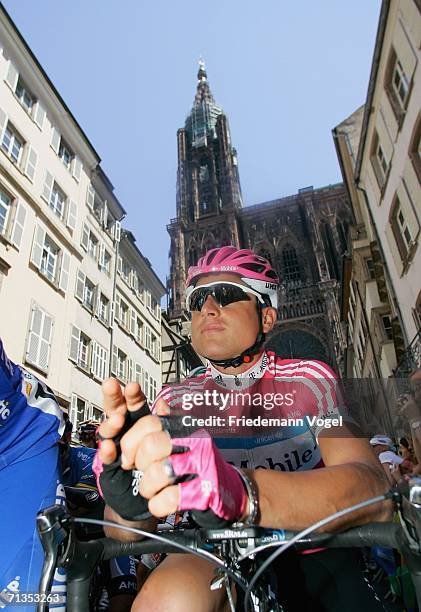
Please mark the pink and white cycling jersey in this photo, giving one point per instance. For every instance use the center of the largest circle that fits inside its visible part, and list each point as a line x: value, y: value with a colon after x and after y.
x: 299, y: 396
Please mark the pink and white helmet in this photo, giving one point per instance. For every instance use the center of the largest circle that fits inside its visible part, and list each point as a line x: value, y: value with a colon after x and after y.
x: 254, y: 270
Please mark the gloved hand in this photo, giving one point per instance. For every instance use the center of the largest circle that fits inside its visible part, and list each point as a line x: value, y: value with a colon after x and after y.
x: 118, y: 487
x: 207, y: 483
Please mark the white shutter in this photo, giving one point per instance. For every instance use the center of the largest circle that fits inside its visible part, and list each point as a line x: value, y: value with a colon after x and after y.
x: 17, y: 232
x: 80, y: 285
x: 94, y: 358
x: 105, y: 215
x: 38, y: 245
x: 71, y: 214
x: 3, y: 123
x: 101, y: 260
x: 77, y: 168
x: 130, y: 365
x: 74, y: 344
x: 117, y: 231
x: 114, y: 360
x: 138, y: 374
x: 39, y: 115
x: 120, y: 264
x: 64, y: 271
x: 48, y: 186
x: 97, y: 305
x: 34, y: 337
x: 90, y: 197
x: 111, y: 309
x: 31, y: 162
x: 45, y: 342
x: 55, y: 140
x: 73, y: 410
x: 85, y: 237
x: 132, y: 321
x: 12, y: 75
x: 117, y: 307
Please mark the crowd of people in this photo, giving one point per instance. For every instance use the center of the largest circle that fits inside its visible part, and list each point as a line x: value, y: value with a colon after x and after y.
x: 142, y: 465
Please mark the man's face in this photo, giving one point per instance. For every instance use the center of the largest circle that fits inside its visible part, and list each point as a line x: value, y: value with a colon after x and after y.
x: 220, y: 333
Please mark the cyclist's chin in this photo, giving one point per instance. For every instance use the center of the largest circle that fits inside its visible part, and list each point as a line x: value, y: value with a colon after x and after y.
x: 212, y: 349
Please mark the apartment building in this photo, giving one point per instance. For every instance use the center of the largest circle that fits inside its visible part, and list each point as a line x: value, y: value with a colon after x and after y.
x: 379, y: 152
x: 60, y: 239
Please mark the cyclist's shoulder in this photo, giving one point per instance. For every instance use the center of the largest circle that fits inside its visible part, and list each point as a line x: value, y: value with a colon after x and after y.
x: 173, y: 392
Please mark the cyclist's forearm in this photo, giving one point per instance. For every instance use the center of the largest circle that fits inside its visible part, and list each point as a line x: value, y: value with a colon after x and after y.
x: 126, y: 536
x: 296, y: 500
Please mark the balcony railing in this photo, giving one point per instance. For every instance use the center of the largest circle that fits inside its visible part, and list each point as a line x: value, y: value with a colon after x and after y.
x: 411, y: 359
x: 298, y: 301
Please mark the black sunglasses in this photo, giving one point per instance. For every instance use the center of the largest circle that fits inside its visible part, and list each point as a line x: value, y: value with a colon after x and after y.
x: 223, y: 294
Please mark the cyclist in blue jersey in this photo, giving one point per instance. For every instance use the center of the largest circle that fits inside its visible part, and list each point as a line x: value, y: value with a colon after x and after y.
x: 31, y: 423
x: 287, y: 478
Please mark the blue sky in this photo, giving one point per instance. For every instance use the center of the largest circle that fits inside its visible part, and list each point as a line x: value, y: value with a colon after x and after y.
x: 285, y: 73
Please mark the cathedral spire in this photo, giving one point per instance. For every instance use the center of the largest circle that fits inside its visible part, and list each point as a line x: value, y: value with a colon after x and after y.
x: 203, y: 93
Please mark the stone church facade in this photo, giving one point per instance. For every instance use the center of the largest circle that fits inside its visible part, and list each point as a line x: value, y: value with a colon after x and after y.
x: 303, y: 235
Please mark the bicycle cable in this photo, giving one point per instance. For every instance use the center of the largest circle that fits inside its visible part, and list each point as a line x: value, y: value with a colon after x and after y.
x: 198, y: 552
x: 283, y: 547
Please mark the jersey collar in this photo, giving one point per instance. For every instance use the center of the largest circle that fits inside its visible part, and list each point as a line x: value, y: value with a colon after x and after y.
x: 239, y: 381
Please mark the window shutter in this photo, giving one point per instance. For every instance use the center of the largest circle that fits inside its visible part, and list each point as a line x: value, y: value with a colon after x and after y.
x: 3, y: 123
x: 132, y: 321
x: 73, y: 410
x: 17, y: 232
x: 77, y: 168
x: 39, y: 115
x: 85, y: 237
x: 408, y: 211
x: 119, y: 264
x: 38, y: 245
x: 31, y: 162
x: 114, y: 360
x: 71, y: 214
x: 138, y: 374
x: 117, y: 231
x: 117, y: 307
x: 101, y: 259
x: 48, y: 186
x: 12, y: 75
x: 55, y: 140
x: 129, y: 369
x: 111, y: 314
x: 34, y: 335
x: 74, y: 344
x: 45, y: 343
x: 94, y: 358
x: 90, y: 197
x: 80, y: 285
x: 64, y: 271
x: 105, y: 215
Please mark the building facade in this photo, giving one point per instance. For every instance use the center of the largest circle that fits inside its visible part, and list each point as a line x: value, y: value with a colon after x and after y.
x: 303, y: 235
x: 379, y: 152
x: 63, y: 253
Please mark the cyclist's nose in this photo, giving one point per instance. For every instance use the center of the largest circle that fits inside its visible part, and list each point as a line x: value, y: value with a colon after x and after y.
x: 210, y: 307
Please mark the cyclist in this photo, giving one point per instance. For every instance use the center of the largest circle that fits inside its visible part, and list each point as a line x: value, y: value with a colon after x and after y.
x: 31, y: 423
x: 117, y: 576
x: 87, y: 433
x: 232, y: 296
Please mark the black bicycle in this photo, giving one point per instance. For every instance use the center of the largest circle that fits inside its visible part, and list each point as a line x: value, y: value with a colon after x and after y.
x: 236, y: 551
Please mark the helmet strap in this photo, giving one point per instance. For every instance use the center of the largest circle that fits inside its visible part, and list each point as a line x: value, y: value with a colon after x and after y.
x: 247, y: 355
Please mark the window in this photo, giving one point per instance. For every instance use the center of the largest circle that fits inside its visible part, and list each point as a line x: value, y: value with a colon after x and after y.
x: 415, y: 148
x: 57, y: 200
x: 104, y: 309
x: 104, y: 259
x: 12, y: 143
x: 148, y: 338
x: 155, y: 309
x: 125, y: 270
x: 138, y: 330
x: 89, y: 242
x: 397, y: 85
x: 401, y: 230
x: 124, y: 314
x: 387, y: 326
x: 119, y: 364
x: 51, y: 261
x: 97, y: 414
x: 5, y: 205
x: 78, y: 410
x: 369, y: 264
x: 24, y: 95
x: 152, y: 389
x: 417, y: 312
x: 39, y: 340
x: 65, y: 154
x: 290, y: 265
x: 97, y: 205
x: 89, y: 294
x: 155, y: 347
x: 80, y: 346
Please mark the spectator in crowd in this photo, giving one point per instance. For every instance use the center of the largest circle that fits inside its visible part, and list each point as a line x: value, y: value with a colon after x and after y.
x: 412, y: 411
x: 407, y: 454
x: 391, y: 462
